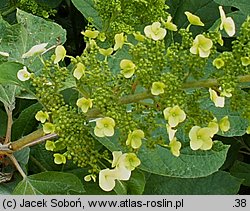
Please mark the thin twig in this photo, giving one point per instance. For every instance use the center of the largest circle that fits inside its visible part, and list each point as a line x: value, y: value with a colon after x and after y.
x: 9, y: 125
x: 13, y: 159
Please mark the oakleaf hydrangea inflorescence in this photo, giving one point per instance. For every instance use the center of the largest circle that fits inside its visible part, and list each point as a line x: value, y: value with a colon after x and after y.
x: 128, y: 98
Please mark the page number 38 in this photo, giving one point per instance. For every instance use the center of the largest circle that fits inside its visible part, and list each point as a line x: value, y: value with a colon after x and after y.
x: 240, y: 203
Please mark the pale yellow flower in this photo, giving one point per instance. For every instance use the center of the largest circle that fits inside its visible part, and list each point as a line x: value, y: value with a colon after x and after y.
x: 194, y: 19
x: 107, y: 179
x: 42, y: 116
x: 50, y: 145
x: 155, y: 31
x: 91, y: 34
x: 224, y: 124
x: 90, y: 177
x: 79, y: 70
x: 218, y: 63
x: 104, y: 127
x: 135, y: 139
x: 138, y: 36
x: 200, y: 138
x: 119, y: 163
x: 5, y: 54
x: 248, y: 130
x: 218, y: 101
x: 131, y: 161
x: 174, y: 115
x: 171, y: 132
x: 127, y: 68
x: 175, y: 147
x: 120, y: 40
x: 106, y: 52
x: 84, y: 104
x: 157, y: 88
x: 48, y: 128
x: 23, y: 74
x: 227, y: 23
x: 60, y: 54
x: 59, y: 159
x: 201, y: 46
x: 214, y: 127
x: 245, y: 61
x: 169, y: 25
x: 35, y: 50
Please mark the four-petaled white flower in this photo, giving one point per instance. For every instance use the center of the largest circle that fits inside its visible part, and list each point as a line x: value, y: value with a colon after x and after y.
x: 60, y: 54
x: 155, y: 31
x: 84, y: 104
x: 104, y: 127
x: 157, y: 88
x: 194, y: 19
x: 127, y: 68
x: 227, y: 23
x: 79, y: 70
x: 218, y: 100
x: 42, y: 116
x: 35, y: 50
x: 174, y: 115
x: 5, y: 54
x: 201, y: 46
x: 23, y: 74
x: 200, y: 138
x: 135, y: 139
x: 122, y: 165
x: 120, y: 40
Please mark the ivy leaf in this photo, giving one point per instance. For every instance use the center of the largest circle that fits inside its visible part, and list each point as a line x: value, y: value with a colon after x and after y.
x: 219, y: 183
x: 242, y: 5
x: 190, y: 164
x: 49, y: 183
x: 86, y: 7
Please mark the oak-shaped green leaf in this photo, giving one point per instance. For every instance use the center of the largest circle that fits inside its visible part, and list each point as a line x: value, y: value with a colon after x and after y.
x: 49, y: 183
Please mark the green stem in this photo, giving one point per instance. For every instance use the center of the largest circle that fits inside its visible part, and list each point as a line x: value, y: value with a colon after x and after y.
x: 135, y: 98
x: 30, y: 140
x: 211, y: 82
